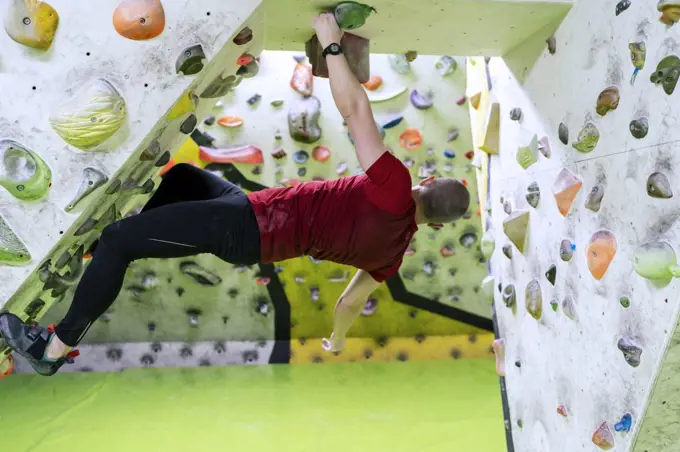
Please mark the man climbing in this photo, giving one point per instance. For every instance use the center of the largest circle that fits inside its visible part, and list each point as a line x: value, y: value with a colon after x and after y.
x: 366, y: 221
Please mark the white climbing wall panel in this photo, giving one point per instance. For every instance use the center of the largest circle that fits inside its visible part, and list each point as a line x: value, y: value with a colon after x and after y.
x: 34, y: 84
x: 556, y: 363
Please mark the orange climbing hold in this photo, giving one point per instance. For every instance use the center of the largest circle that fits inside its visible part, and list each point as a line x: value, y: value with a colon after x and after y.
x: 6, y: 366
x: 241, y: 154
x: 474, y: 100
x: 139, y: 20
x: 373, y: 83
x: 565, y: 189
x: 245, y: 59
x: 600, y: 252
x: 230, y: 121
x: 263, y: 281
x: 302, y: 80
x: 168, y: 166
x: 410, y: 139
x: 321, y: 153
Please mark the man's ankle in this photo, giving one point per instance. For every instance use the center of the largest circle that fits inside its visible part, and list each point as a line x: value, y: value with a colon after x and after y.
x: 56, y: 348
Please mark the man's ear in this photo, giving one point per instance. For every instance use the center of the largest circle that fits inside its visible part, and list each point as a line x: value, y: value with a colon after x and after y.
x: 426, y: 181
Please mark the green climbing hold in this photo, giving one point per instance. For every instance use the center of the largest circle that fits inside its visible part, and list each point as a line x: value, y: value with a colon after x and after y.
x: 554, y: 305
x: 22, y: 172
x: 625, y: 302
x: 352, y: 15
x: 657, y: 262
x: 534, y: 299
x: 12, y: 250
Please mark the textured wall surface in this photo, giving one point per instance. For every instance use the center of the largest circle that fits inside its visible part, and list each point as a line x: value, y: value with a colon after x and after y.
x: 159, y: 104
x: 569, y: 383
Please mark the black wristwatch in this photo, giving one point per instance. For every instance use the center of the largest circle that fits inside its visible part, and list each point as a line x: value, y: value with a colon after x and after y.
x: 333, y: 49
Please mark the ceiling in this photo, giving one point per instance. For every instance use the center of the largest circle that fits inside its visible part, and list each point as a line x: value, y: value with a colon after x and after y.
x: 435, y: 27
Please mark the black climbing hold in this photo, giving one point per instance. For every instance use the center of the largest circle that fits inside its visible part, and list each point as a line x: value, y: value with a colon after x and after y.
x: 518, y: 363
x: 301, y: 172
x: 250, y: 356
x: 203, y: 138
x: 402, y: 356
x: 204, y: 362
x: 113, y: 187
x: 455, y: 353
x: 516, y: 114
x: 156, y: 347
x: 220, y: 347
x: 639, y: 128
x: 468, y: 239
x: 631, y: 351
x: 189, y: 124
x: 186, y: 352
x: 34, y: 308
x: 233, y: 293
x: 190, y: 61
x: 551, y: 273
x: 381, y: 341
x: 219, y: 87
x: 622, y: 6
x: 255, y: 98
x: 507, y: 251
x: 243, y: 37
x: 658, y: 186
x: 151, y: 326
x: 563, y: 133
x: 163, y: 160
x: 114, y: 354
x: 147, y: 360
x: 419, y: 338
x: 262, y: 307
x: 209, y: 121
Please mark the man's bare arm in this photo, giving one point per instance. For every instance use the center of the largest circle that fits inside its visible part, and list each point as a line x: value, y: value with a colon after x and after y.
x: 350, y: 97
x: 349, y: 306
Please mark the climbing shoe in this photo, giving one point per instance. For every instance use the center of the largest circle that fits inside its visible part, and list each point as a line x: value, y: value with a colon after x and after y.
x: 31, y: 341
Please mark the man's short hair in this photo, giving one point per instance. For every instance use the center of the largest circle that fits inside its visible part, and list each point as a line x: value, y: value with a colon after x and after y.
x: 444, y: 200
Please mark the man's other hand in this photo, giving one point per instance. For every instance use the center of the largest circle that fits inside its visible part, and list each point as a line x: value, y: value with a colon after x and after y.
x: 334, y: 344
x: 327, y: 29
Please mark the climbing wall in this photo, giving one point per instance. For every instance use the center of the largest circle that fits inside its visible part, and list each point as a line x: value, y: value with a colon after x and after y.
x: 584, y: 211
x: 96, y: 98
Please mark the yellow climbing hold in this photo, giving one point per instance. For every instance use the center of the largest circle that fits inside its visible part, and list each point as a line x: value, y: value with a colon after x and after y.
x: 186, y: 104
x: 32, y: 23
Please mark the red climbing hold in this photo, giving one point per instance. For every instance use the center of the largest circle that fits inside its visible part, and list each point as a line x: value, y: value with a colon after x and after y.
x: 245, y: 59
x: 241, y: 154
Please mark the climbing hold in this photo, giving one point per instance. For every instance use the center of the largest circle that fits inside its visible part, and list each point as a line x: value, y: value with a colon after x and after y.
x: 185, y: 104
x: 190, y: 61
x: 92, y: 180
x: 370, y: 307
x: 631, y: 351
x: 594, y: 198
x: 533, y: 194
x: 429, y: 268
x: 656, y: 261
x: 302, y: 80
x: 300, y: 156
x: 516, y: 227
x: 255, y: 98
x: 488, y: 245
x: 639, y: 127
x: 498, y: 347
x: 199, y: 274
x: 394, y: 122
x: 562, y: 411
x: 245, y: 59
x: 551, y: 273
x: 410, y: 139
x: 321, y: 153
x: 139, y: 20
x: 554, y: 305
x: 566, y: 250
x: 625, y: 301
x: 240, y: 154
x: 248, y: 71
x: 607, y: 100
x: 352, y: 15
x: 91, y: 116
x: 453, y: 135
x: 528, y: 155
x: 667, y: 73
x: 516, y: 114
x: 230, y: 121
x: 625, y: 424
x: 303, y: 120
x: 189, y: 124
x: 151, y: 152
x: 382, y: 96
x: 600, y: 251
x: 658, y: 186
x: 341, y: 169
x: 507, y: 207
x: 411, y: 55
x: 569, y: 307
x: 509, y: 297
x: 410, y: 251
x: 468, y: 239
x: 276, y: 103
x: 565, y: 189
x: 32, y: 23
x: 446, y: 65
x: 638, y: 56
x: 399, y: 64
x: 461, y: 100
x: 449, y: 154
x: 469, y: 155
x: 12, y: 250
x: 534, y: 299
x: 243, y: 37
x: 563, y: 133
x: 544, y: 147
x: 475, y: 99
x: 421, y: 101
x: 552, y: 45
x: 219, y: 87
x: 507, y: 250
x: 587, y: 138
x: 278, y: 153
x: 670, y: 11
x: 23, y: 173
x: 373, y: 83
x: 622, y: 6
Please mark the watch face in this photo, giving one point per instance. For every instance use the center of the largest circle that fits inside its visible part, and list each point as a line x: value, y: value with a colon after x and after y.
x: 335, y: 48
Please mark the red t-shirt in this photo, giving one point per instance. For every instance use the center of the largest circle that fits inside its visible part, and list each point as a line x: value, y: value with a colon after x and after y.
x: 366, y: 221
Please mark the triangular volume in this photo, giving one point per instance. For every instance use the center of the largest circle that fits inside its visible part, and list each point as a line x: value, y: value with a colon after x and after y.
x: 491, y: 144
x: 516, y: 227
x: 12, y: 250
x: 565, y: 189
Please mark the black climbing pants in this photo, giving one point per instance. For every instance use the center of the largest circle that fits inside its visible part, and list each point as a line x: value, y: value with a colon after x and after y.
x: 192, y: 212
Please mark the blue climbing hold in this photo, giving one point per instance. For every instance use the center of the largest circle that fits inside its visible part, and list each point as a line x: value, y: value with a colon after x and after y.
x: 572, y: 246
x: 449, y: 154
x: 625, y: 424
x: 300, y: 156
x: 394, y: 122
